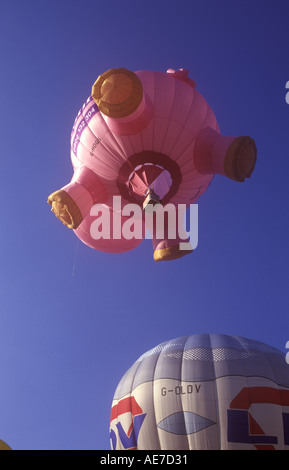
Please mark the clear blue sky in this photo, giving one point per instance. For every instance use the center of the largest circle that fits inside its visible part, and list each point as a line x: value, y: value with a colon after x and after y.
x: 73, y: 320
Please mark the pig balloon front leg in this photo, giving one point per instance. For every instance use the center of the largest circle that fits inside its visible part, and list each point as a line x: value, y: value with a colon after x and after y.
x: 234, y: 157
x: 73, y: 202
x: 167, y: 227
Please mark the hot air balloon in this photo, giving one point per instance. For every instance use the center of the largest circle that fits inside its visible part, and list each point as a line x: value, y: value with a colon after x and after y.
x: 149, y: 139
x: 203, y: 392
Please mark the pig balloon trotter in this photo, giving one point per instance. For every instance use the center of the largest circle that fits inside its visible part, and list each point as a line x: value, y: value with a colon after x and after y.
x: 149, y: 138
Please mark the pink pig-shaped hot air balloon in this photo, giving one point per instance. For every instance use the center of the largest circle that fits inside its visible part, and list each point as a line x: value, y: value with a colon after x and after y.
x: 149, y: 138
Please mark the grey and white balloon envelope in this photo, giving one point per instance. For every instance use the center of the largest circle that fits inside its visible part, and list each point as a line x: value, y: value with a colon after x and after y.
x: 208, y: 391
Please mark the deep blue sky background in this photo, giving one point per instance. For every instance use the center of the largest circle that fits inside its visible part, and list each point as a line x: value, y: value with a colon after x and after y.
x: 73, y: 320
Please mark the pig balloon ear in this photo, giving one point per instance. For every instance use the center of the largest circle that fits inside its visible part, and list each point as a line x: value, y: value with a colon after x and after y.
x: 183, y: 75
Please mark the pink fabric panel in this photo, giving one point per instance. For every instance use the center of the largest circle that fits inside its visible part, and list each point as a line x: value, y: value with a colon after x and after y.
x: 85, y: 189
x: 110, y: 245
x: 164, y: 99
x: 210, y: 151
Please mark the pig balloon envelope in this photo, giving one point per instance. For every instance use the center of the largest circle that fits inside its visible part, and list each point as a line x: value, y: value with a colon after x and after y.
x: 147, y: 137
x: 203, y: 392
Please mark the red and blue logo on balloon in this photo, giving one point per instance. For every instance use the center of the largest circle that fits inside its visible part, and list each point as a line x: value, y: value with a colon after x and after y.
x: 243, y: 428
x: 128, y: 438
